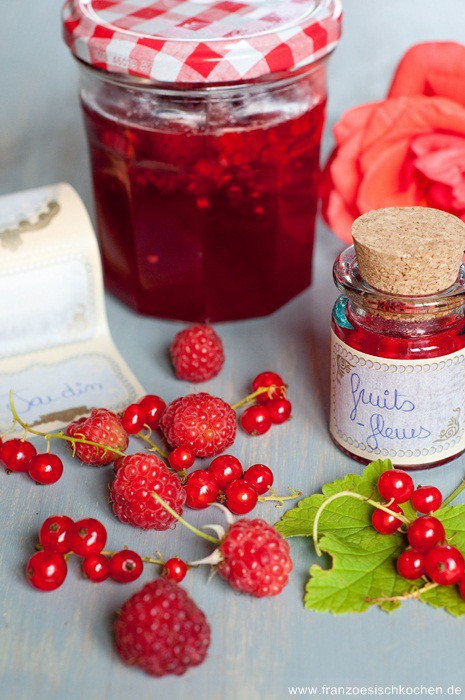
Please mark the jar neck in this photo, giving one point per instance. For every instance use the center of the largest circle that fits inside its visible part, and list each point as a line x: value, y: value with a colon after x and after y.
x: 397, y: 315
x: 270, y: 82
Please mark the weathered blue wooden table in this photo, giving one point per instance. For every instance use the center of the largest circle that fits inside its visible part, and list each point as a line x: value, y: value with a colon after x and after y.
x: 59, y: 645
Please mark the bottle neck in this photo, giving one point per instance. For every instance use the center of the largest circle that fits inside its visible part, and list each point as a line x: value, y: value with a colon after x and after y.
x: 403, y: 325
x: 396, y: 315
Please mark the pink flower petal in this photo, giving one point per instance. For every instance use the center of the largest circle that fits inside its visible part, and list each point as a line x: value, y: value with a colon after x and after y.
x: 353, y: 121
x: 381, y: 185
x: 432, y: 68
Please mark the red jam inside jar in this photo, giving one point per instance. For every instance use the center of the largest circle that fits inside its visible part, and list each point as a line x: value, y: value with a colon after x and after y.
x: 204, y: 122
x: 206, y: 225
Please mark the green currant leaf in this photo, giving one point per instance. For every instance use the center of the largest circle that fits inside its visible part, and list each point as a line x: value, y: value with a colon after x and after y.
x: 447, y: 597
x: 453, y: 519
x: 346, y: 517
x: 363, y: 570
x: 409, y: 511
x: 359, y: 577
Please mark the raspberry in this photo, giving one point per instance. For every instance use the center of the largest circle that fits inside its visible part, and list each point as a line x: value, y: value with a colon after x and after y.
x: 204, y: 424
x: 138, y: 475
x: 256, y: 558
x: 161, y: 630
x: 197, y: 353
x: 101, y: 426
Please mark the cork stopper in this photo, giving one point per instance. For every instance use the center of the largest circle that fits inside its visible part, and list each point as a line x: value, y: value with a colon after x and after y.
x: 410, y: 251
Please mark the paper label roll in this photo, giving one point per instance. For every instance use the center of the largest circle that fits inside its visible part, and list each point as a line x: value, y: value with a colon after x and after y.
x: 56, y: 351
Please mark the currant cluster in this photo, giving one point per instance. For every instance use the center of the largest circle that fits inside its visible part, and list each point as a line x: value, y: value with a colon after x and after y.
x: 147, y: 412
x: 272, y: 407
x: 60, y: 536
x: 428, y: 554
x: 226, y: 481
x: 197, y: 425
x: 21, y: 456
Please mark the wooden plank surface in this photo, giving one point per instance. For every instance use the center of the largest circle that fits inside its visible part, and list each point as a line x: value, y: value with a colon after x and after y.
x: 59, y: 645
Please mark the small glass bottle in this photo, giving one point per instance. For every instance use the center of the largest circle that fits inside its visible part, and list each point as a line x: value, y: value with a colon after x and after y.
x: 398, y: 339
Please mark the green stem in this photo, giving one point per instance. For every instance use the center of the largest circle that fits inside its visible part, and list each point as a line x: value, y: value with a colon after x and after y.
x: 190, y: 527
x: 153, y: 446
x: 279, y: 500
x: 251, y: 397
x: 60, y: 435
x: 81, y: 441
x: 149, y: 560
x: 454, y: 494
x: 350, y: 494
x: 417, y: 593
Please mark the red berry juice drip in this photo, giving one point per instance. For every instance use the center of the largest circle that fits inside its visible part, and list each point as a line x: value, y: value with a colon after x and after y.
x: 206, y: 226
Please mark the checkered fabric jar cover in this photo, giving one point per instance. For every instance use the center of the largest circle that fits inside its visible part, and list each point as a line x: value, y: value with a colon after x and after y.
x: 198, y: 41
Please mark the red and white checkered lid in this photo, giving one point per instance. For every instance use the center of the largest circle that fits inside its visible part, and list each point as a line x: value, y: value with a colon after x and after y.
x: 201, y: 41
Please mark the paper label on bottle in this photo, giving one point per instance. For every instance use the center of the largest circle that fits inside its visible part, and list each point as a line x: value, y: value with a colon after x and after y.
x: 56, y: 352
x: 409, y: 411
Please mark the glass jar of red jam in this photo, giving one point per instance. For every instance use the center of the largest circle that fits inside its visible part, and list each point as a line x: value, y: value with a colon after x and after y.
x: 397, y: 371
x: 204, y: 122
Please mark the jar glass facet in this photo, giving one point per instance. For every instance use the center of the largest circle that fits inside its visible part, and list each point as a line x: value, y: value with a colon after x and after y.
x: 206, y: 196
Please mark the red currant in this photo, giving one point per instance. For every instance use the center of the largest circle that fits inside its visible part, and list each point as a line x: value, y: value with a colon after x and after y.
x: 181, y: 458
x: 154, y: 407
x: 425, y: 532
x: 280, y: 410
x: 46, y: 570
x: 269, y: 379
x: 96, y: 567
x: 384, y: 522
x: 260, y: 477
x: 134, y: 418
x: 201, y: 489
x: 45, y: 468
x: 256, y: 420
x: 175, y: 569
x: 55, y: 533
x: 241, y: 497
x: 16, y: 454
x: 445, y: 565
x: 411, y: 564
x: 126, y: 566
x: 396, y: 484
x: 225, y: 469
x: 427, y: 499
x: 88, y: 537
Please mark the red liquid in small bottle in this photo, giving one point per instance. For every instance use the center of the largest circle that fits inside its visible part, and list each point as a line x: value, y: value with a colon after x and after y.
x: 206, y: 226
x: 399, y: 347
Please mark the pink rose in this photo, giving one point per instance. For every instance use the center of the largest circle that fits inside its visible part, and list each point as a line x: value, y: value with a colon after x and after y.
x: 407, y: 150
